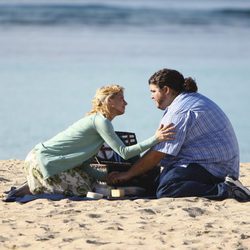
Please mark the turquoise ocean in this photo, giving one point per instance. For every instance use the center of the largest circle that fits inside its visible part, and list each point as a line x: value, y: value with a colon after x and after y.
x: 54, y: 54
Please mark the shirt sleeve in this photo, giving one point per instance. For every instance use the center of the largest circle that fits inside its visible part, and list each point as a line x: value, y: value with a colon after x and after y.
x: 105, y: 128
x: 181, y: 122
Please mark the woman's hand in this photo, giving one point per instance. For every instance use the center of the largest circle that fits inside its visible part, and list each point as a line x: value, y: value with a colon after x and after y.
x: 165, y: 133
x: 115, y: 178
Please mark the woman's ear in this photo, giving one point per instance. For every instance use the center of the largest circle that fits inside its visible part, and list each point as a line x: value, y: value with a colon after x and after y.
x: 109, y: 100
x: 110, y: 103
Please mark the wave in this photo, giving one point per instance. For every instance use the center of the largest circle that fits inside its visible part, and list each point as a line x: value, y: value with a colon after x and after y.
x: 108, y: 15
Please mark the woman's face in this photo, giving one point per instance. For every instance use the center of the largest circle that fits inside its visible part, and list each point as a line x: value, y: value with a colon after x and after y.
x: 117, y: 104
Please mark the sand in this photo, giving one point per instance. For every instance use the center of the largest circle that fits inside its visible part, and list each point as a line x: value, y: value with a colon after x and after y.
x: 169, y: 223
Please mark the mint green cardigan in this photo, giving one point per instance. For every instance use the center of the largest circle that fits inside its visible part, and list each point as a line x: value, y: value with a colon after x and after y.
x: 80, y: 142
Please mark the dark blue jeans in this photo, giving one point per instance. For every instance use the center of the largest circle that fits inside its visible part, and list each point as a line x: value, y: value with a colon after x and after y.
x: 194, y: 180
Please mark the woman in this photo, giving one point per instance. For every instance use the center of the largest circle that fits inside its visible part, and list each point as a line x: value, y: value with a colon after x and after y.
x: 62, y: 164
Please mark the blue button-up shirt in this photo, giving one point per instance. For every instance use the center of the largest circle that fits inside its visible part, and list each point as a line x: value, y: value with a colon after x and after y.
x: 204, y: 136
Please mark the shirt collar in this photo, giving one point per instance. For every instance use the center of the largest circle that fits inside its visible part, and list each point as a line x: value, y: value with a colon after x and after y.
x: 176, y: 99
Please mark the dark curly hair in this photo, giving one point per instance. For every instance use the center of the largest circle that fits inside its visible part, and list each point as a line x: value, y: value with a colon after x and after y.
x: 173, y: 79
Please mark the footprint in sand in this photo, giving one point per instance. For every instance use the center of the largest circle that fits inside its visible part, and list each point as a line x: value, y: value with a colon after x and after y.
x: 115, y: 228
x: 148, y: 211
x: 4, y: 179
x: 94, y: 216
x: 194, y: 211
x: 3, y: 239
x: 96, y: 242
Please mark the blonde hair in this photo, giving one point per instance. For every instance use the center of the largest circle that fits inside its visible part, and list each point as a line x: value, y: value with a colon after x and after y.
x: 100, y: 100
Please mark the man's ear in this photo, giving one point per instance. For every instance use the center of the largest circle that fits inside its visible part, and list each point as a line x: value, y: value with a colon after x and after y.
x: 166, y: 89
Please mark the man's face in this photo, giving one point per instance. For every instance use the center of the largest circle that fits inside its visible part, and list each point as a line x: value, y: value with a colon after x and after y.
x: 159, y: 96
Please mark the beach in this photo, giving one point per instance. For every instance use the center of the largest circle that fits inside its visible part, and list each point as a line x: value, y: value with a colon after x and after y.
x: 55, y: 54
x: 168, y: 223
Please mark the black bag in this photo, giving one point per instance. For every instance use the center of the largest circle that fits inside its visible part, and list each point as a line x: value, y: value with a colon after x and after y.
x: 111, y: 161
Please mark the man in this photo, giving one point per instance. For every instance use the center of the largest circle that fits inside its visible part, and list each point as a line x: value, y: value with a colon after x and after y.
x: 203, y: 160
